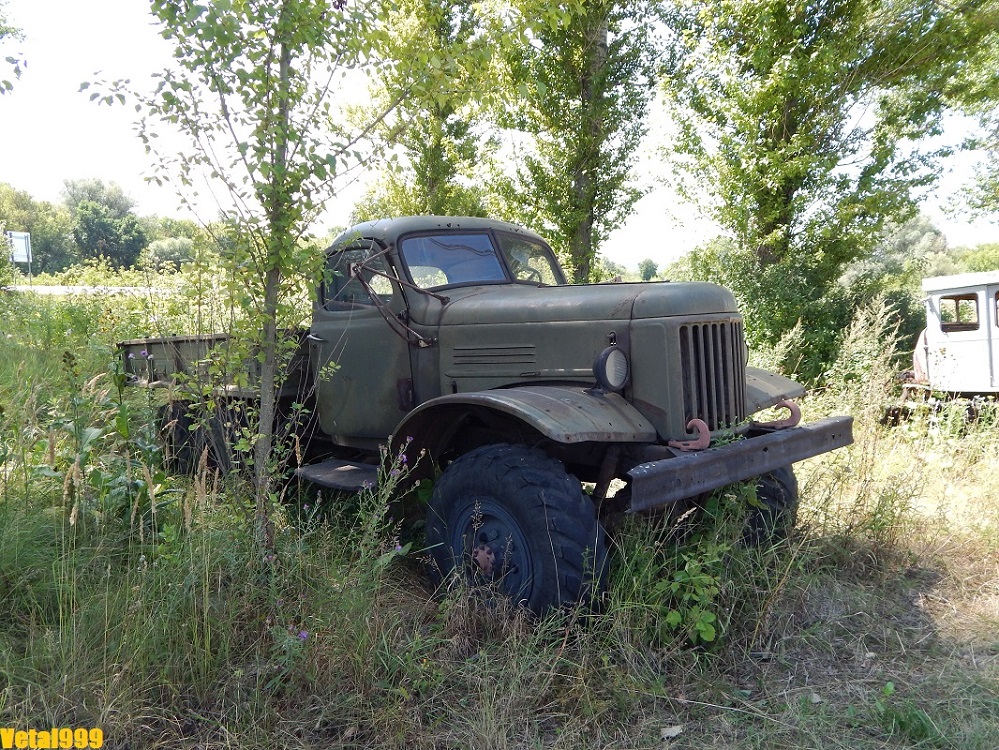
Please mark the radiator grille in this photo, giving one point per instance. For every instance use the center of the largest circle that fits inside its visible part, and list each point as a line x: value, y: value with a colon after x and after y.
x: 714, y: 373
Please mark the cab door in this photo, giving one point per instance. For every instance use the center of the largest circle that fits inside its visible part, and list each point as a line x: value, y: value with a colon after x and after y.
x: 359, y: 353
x: 958, y: 336
x: 992, y: 302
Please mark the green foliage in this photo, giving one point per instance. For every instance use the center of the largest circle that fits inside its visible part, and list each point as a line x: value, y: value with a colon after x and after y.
x: 434, y: 128
x: 893, y: 271
x: 606, y: 270
x: 867, y: 356
x: 810, y: 345
x: 16, y: 62
x: 899, y: 260
x: 647, y: 269
x: 976, y: 95
x: 583, y: 81
x: 50, y: 226
x: 773, y: 298
x: 907, y: 719
x: 254, y: 89
x: 103, y: 222
x: 165, y: 253
x: 772, y: 137
x: 984, y: 257
x: 107, y: 465
x: 112, y: 197
x: 981, y: 258
x: 669, y: 572
x: 7, y: 270
x: 99, y: 216
x: 162, y: 631
x: 99, y: 234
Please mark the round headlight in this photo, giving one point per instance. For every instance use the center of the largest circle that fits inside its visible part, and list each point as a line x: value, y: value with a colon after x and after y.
x: 611, y: 369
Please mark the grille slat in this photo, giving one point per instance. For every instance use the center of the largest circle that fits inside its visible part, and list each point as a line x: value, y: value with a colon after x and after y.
x: 494, y: 355
x: 714, y: 373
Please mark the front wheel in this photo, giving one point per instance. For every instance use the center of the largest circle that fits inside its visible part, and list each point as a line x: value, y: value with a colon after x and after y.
x: 776, y: 508
x: 511, y: 518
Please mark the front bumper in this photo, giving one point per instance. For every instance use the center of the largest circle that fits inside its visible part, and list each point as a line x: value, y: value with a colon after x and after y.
x: 689, y: 474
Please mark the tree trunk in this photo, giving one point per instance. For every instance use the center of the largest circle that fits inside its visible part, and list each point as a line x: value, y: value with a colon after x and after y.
x: 581, y: 250
x: 277, y: 241
x: 268, y: 407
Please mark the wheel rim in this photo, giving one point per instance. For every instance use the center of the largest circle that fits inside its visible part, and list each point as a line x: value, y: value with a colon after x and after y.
x: 490, y: 548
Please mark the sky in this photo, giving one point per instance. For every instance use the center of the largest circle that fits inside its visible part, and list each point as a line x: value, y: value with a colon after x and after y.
x: 51, y: 132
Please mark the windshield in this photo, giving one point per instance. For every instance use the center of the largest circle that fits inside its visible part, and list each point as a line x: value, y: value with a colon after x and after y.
x: 471, y: 258
x: 441, y: 259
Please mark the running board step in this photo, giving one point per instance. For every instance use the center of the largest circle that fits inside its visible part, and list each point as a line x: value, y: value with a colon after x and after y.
x: 340, y: 475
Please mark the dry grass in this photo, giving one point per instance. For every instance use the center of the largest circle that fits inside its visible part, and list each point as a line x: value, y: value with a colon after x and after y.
x: 874, y: 626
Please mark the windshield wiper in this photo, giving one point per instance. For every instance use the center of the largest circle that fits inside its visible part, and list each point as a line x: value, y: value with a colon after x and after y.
x: 363, y: 266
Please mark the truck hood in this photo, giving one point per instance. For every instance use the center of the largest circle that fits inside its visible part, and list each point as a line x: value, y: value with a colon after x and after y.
x: 521, y: 303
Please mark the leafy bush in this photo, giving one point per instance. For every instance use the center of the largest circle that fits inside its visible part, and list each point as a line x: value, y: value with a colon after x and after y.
x: 166, y: 253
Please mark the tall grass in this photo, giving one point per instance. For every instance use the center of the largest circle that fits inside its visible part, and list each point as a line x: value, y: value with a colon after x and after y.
x: 139, y: 602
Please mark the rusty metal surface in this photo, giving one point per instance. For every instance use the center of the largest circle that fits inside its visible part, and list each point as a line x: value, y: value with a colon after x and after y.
x: 702, y: 441
x: 782, y: 424
x: 566, y: 414
x: 689, y: 474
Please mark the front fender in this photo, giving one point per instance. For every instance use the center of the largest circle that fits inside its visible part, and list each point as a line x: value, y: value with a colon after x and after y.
x: 565, y: 414
x: 765, y: 389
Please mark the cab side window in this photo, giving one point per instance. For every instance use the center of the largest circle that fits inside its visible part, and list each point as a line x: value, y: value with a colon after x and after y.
x: 350, y: 274
x: 529, y: 261
x: 959, y: 312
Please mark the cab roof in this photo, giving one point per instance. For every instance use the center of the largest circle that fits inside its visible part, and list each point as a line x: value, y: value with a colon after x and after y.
x: 960, y: 281
x: 389, y: 231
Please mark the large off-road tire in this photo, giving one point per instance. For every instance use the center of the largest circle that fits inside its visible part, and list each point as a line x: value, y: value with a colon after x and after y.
x: 185, y: 440
x: 182, y: 445
x: 511, y: 519
x: 776, y: 509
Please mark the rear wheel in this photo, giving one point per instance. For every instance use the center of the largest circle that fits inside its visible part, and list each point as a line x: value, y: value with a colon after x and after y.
x: 181, y: 446
x: 510, y: 518
x: 186, y: 437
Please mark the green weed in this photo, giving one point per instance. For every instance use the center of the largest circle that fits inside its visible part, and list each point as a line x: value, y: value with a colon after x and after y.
x: 155, y: 615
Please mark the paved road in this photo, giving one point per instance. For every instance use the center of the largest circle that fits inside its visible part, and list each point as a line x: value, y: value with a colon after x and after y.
x: 65, y: 290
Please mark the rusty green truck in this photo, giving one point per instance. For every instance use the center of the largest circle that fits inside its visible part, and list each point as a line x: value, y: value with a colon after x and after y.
x: 458, y: 343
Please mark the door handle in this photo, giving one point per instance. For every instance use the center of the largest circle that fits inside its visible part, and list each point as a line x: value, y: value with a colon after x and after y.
x: 315, y: 338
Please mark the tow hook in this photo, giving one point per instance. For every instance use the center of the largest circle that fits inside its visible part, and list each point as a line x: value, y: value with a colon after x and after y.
x: 702, y: 441
x: 790, y: 421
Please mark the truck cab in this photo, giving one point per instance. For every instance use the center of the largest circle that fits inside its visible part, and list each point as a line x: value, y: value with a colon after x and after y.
x: 958, y: 352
